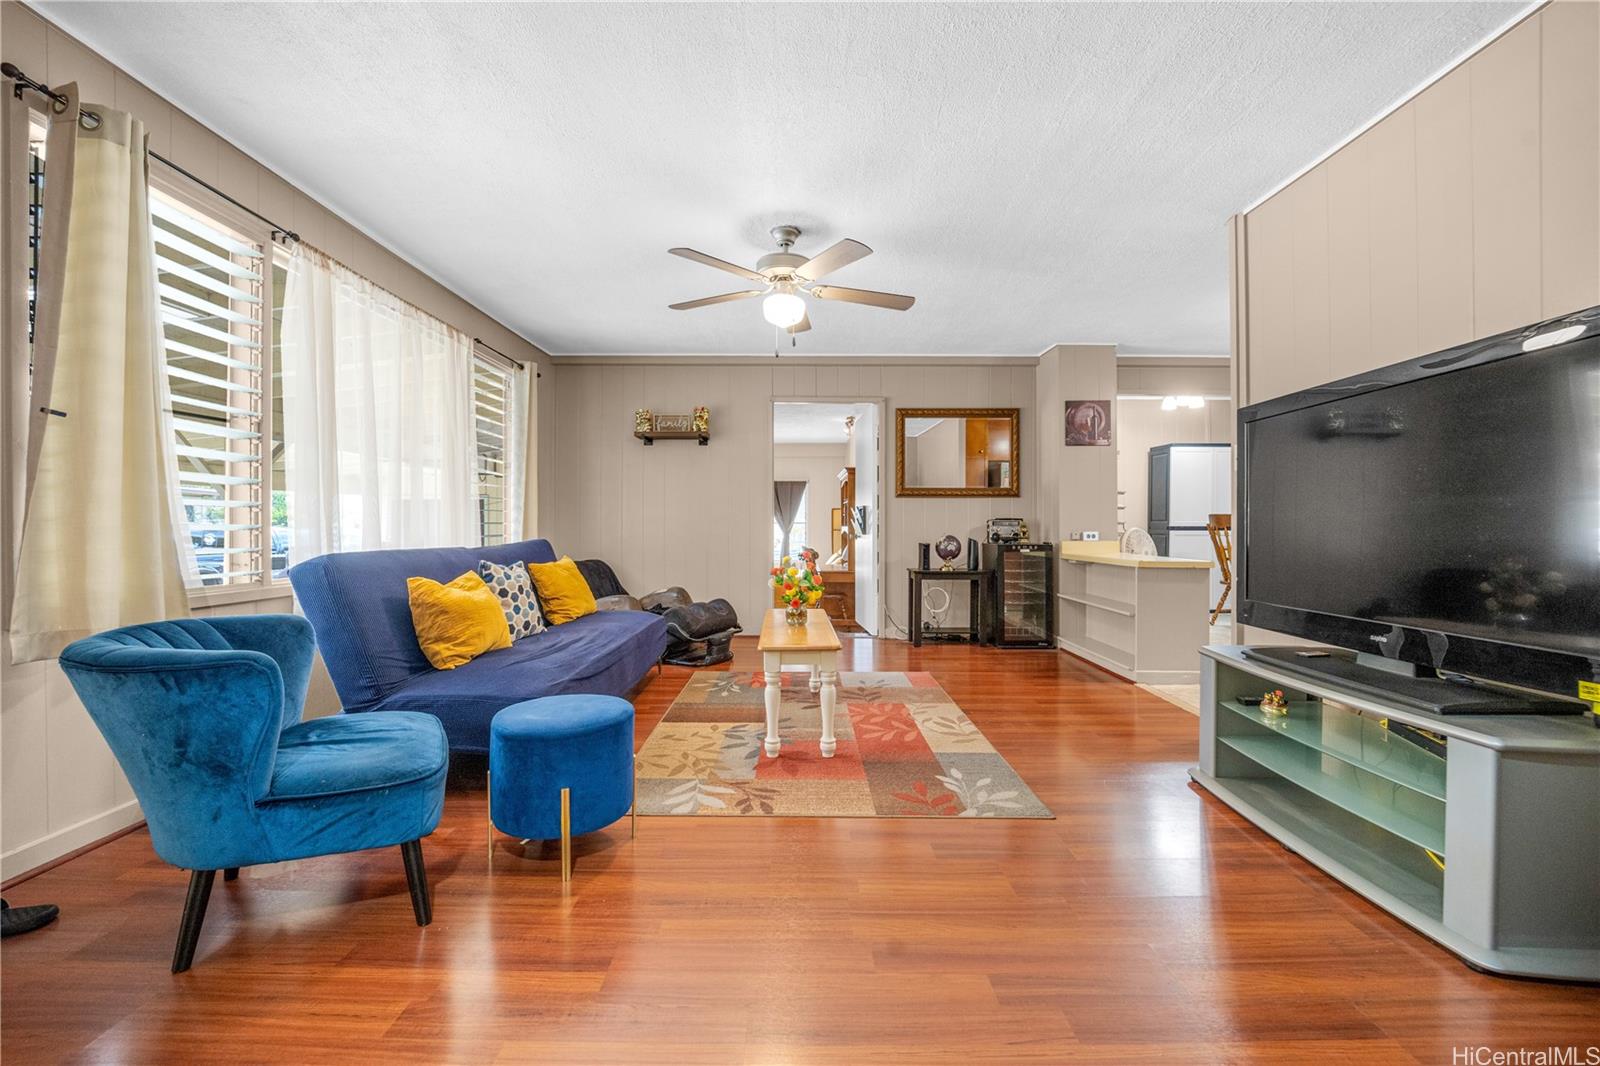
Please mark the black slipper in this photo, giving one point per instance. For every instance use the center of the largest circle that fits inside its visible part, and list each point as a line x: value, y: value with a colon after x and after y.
x: 15, y: 921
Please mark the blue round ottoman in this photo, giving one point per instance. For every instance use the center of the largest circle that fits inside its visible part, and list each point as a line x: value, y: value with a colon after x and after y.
x: 560, y: 766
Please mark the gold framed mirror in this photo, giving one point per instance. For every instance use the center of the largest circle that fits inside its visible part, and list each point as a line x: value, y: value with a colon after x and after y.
x: 958, y: 451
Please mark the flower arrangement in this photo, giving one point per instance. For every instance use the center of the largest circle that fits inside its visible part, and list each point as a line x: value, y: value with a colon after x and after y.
x: 799, y: 586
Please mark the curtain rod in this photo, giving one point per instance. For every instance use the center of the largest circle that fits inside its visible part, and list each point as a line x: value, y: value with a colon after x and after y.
x: 24, y: 82
x: 480, y: 342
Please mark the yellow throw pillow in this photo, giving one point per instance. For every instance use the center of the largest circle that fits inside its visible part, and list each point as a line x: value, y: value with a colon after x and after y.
x: 563, y: 593
x: 458, y: 622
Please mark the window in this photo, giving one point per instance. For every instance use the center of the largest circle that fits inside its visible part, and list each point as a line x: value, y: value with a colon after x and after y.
x: 278, y: 502
x: 797, y: 532
x: 36, y: 139
x: 492, y: 386
x: 214, y: 287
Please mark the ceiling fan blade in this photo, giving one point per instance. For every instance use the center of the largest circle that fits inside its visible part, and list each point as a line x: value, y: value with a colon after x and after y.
x: 720, y: 264
x: 892, y: 301
x: 801, y: 326
x: 842, y: 254
x: 689, y: 305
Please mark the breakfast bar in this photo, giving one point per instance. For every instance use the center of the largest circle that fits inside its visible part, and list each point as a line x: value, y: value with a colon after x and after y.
x: 1141, y: 617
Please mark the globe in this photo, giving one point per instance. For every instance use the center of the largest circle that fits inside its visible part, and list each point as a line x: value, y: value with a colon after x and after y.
x: 948, y: 549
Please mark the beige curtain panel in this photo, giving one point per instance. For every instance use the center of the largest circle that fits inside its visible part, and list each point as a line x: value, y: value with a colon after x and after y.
x: 522, y: 516
x: 99, y: 545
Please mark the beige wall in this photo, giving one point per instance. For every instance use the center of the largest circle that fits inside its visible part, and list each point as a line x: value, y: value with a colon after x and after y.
x: 818, y: 465
x: 1077, y: 486
x: 59, y: 786
x: 1081, y: 482
x: 679, y: 514
x: 938, y: 456
x: 1472, y: 209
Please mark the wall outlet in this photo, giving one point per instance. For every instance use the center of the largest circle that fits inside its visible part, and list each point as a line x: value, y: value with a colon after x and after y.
x: 1091, y: 534
x: 1074, y: 535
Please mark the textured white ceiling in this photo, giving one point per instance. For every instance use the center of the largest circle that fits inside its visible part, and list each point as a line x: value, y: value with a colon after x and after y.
x: 1032, y: 173
x: 811, y: 423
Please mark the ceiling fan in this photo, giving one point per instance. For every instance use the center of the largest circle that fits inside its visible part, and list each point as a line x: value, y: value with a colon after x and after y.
x: 788, y: 278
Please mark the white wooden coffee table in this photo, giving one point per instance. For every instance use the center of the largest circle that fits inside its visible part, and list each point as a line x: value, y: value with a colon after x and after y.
x: 814, y: 644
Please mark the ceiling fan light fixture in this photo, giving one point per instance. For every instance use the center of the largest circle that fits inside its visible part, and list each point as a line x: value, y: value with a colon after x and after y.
x: 783, y: 309
x: 788, y: 277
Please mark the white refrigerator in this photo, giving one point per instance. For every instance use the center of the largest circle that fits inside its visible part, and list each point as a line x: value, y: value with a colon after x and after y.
x: 1188, y: 484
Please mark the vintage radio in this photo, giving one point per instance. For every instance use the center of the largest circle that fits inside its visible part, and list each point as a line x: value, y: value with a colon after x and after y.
x: 1007, y: 530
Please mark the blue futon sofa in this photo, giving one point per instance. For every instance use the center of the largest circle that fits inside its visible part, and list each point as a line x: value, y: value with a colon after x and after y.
x: 357, y: 603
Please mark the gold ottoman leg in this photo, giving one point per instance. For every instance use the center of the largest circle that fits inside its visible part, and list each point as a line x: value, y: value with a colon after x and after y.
x: 566, y: 835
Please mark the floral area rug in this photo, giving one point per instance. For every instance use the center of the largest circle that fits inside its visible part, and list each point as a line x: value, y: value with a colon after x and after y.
x: 904, y: 750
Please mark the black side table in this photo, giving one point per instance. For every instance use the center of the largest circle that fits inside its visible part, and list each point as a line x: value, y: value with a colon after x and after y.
x: 977, y: 605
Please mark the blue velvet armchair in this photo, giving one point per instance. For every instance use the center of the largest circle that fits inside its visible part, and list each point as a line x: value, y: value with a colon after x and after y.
x: 204, y: 716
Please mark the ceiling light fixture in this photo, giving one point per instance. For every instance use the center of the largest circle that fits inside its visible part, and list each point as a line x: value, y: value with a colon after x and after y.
x: 788, y: 278
x: 783, y: 309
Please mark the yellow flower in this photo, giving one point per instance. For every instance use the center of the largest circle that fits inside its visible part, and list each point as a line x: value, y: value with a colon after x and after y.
x: 793, y: 572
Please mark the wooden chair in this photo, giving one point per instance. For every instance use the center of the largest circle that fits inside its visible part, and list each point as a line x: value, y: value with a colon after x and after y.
x: 1220, y: 526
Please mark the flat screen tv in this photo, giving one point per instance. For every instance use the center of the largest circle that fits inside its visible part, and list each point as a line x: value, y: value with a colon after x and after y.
x: 1443, y: 512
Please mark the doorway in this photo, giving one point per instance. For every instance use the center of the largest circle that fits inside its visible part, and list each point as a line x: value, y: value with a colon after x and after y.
x: 1174, y: 471
x: 827, y: 463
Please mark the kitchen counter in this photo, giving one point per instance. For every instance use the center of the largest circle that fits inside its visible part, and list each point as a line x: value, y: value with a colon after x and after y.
x: 1105, y: 551
x: 1140, y: 616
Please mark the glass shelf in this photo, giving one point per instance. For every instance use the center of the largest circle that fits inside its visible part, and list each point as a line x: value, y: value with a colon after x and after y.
x: 1407, y: 814
x: 1357, y: 740
x: 1361, y: 847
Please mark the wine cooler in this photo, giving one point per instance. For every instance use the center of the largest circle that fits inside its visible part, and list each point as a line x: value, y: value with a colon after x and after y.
x: 1024, y: 601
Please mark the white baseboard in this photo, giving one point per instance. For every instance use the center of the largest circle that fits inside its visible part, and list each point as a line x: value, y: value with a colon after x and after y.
x: 36, y: 853
x: 1169, y: 677
x: 1137, y: 677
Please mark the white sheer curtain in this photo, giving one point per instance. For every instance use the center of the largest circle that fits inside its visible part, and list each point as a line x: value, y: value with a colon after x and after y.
x: 522, y: 510
x: 99, y: 544
x: 377, y: 416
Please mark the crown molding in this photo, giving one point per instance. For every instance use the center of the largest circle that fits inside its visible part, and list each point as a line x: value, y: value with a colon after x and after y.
x: 669, y: 359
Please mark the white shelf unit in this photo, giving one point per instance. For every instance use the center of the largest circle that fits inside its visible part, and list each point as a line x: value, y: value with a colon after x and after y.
x: 1511, y: 812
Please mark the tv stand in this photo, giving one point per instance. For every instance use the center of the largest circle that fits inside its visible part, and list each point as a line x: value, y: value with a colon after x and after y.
x: 1404, y: 686
x: 1491, y: 850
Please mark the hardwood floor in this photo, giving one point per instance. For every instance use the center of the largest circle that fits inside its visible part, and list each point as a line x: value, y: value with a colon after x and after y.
x: 1147, y: 923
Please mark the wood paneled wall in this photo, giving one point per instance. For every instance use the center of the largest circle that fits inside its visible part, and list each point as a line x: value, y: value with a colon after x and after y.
x: 679, y: 514
x: 1471, y: 209
x: 1081, y: 481
x: 60, y: 788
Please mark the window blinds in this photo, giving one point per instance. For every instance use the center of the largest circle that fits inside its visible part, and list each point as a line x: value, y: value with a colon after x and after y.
x: 210, y: 286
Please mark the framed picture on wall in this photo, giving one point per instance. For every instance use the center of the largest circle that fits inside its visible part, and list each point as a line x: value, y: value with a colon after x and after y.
x: 1088, y: 423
